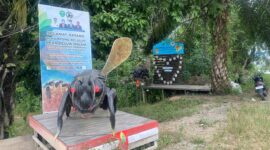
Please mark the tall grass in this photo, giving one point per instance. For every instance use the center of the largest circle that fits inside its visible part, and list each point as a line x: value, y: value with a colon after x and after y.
x: 250, y: 125
x: 248, y: 128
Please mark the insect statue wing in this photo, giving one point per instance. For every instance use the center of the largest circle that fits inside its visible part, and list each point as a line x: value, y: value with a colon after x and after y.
x: 121, y: 50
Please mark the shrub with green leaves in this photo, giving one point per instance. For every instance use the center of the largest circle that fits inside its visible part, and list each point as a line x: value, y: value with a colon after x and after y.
x: 26, y: 101
x: 196, y: 63
x: 121, y: 78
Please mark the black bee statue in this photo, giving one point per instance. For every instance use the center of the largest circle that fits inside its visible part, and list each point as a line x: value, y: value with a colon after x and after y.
x: 88, y: 91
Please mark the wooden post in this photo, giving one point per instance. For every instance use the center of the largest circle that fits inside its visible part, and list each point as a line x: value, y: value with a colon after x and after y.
x: 137, y: 96
x: 143, y: 95
x: 162, y: 94
x: 140, y: 94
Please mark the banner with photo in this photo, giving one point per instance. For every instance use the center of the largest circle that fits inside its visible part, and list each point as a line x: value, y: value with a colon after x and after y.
x: 65, y: 51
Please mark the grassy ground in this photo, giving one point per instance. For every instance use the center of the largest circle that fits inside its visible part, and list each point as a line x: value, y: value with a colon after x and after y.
x: 166, y: 110
x: 20, y: 127
x: 167, y: 138
x: 247, y: 125
x: 248, y: 128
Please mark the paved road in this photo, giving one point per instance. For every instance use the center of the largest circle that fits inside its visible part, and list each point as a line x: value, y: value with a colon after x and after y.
x: 18, y: 143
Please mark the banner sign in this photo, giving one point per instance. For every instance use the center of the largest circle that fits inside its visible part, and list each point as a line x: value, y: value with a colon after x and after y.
x: 65, y: 51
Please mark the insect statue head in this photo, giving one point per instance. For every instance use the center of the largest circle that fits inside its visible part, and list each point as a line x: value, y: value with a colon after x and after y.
x: 88, y: 90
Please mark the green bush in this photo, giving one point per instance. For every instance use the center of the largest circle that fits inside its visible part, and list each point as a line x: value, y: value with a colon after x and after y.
x: 186, y: 75
x: 98, y: 64
x: 196, y: 63
x: 121, y: 79
x: 26, y: 101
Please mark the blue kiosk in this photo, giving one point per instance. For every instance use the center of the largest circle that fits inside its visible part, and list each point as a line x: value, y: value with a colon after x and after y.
x: 168, y: 61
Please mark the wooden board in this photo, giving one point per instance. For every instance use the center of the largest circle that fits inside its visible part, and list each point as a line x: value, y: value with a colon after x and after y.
x: 167, y: 69
x: 205, y: 88
x: 78, y: 133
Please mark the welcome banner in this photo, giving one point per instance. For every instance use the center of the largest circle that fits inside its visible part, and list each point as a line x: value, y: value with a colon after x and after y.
x: 65, y: 51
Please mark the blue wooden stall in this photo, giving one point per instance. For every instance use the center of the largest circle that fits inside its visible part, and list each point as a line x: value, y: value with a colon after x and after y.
x: 168, y: 61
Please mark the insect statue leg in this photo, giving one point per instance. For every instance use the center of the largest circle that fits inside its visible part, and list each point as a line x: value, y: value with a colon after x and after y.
x: 68, y: 106
x: 111, y: 94
x: 48, y: 92
x: 61, y: 111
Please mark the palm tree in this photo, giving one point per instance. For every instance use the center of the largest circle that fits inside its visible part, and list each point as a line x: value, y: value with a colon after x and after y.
x: 220, y: 82
x: 13, y: 18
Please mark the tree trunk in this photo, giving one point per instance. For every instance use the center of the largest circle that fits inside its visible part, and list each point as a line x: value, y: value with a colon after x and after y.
x: 220, y: 82
x: 8, y: 47
x: 7, y: 88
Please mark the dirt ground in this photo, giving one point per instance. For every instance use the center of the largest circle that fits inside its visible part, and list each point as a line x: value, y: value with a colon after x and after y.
x: 198, y: 130
x: 18, y: 143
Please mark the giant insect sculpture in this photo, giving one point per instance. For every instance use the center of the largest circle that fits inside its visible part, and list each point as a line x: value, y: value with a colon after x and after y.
x: 88, y: 90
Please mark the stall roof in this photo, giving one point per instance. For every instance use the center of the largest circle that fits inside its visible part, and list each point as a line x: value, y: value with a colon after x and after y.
x: 168, y: 47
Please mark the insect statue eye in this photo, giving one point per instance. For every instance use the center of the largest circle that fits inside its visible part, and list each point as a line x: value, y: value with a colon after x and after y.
x: 72, y: 90
x: 97, y: 89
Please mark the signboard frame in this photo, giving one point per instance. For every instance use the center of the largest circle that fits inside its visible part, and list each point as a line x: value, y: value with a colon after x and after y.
x: 65, y: 51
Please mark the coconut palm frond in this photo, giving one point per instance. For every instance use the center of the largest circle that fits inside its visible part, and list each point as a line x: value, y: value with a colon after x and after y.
x: 161, y: 28
x: 20, y: 10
